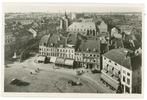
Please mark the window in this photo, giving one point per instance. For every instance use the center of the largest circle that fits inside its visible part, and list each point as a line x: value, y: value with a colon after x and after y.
x: 124, y: 79
x: 113, y: 68
x: 93, y: 55
x: 104, y: 58
x: 128, y: 74
x: 138, y: 80
x: 128, y: 81
x: 116, y: 64
x: 127, y: 89
x: 124, y: 71
x: 93, y: 60
x: 109, y: 60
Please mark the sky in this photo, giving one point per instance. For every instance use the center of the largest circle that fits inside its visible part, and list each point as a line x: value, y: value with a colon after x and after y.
x: 68, y: 7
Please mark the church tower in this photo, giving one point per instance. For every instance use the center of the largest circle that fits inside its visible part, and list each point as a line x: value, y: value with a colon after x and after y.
x: 64, y: 22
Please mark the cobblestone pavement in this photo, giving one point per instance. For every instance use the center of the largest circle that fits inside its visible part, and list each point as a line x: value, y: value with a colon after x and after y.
x: 51, y: 79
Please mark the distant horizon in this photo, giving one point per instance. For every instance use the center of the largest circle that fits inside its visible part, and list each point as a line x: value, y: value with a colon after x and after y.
x: 68, y: 7
x: 74, y: 12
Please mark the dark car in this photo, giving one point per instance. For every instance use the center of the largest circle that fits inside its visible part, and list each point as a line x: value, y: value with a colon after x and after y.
x: 74, y: 83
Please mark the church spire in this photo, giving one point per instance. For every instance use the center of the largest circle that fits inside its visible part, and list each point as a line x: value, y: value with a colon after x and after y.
x: 65, y: 15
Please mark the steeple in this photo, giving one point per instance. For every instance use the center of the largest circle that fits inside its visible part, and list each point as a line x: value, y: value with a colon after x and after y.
x: 65, y: 15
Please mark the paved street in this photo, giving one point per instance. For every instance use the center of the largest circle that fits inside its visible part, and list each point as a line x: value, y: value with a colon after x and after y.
x: 49, y: 79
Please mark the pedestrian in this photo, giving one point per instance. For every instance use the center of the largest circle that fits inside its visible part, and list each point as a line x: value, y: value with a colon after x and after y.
x: 38, y: 69
x: 97, y: 91
x: 31, y: 73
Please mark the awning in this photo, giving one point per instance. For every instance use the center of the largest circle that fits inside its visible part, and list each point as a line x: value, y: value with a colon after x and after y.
x: 110, y: 80
x: 69, y: 62
x: 53, y: 59
x: 41, y: 58
x: 59, y: 61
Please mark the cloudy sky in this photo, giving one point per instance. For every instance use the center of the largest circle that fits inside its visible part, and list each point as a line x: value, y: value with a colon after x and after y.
x: 48, y: 7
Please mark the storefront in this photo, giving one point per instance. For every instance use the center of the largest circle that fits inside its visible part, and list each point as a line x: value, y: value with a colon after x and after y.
x: 53, y: 59
x: 108, y: 80
x: 40, y: 59
x: 69, y: 63
x: 60, y: 61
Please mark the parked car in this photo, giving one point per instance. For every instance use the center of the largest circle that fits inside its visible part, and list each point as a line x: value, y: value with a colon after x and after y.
x: 79, y: 72
x: 74, y: 83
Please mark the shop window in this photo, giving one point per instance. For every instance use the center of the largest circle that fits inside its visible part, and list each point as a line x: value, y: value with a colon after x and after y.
x: 127, y: 89
x: 128, y: 81
x: 122, y: 87
x: 128, y: 74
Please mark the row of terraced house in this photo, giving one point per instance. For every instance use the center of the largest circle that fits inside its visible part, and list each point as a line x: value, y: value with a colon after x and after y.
x: 120, y: 67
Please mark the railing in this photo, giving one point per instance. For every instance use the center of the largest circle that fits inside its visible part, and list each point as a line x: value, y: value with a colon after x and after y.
x: 110, y: 75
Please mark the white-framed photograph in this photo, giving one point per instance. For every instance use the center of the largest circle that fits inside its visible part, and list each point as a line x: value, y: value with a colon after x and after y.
x: 73, y: 49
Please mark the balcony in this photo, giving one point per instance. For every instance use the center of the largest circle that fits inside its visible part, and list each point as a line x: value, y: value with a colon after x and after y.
x: 110, y: 79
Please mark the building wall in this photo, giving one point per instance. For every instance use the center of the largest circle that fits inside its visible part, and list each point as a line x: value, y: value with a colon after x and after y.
x: 137, y: 81
x: 42, y: 50
x: 79, y: 56
x: 57, y: 52
x: 89, y: 32
x: 9, y: 45
x: 103, y: 27
x: 91, y: 60
x: 126, y: 80
x: 125, y: 74
x: 111, y: 66
x: 9, y: 39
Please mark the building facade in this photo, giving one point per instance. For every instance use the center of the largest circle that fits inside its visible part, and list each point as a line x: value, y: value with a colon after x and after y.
x: 119, y: 70
x: 9, y: 44
x: 88, y: 28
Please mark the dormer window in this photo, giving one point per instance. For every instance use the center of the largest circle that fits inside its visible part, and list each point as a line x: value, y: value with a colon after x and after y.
x: 87, y: 49
x: 94, y: 50
x: 51, y: 44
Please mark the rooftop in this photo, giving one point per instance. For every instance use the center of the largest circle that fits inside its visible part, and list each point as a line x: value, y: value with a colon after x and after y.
x: 44, y: 40
x: 90, y: 46
x: 72, y: 39
x: 83, y: 25
x: 121, y: 56
x: 53, y: 40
